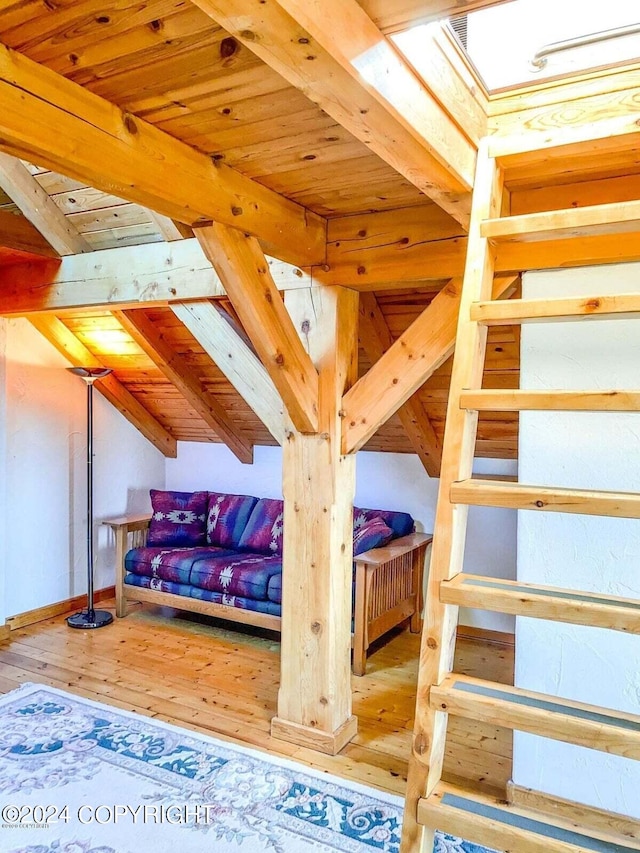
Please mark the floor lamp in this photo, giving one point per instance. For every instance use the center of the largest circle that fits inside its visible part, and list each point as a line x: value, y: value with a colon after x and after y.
x: 90, y: 618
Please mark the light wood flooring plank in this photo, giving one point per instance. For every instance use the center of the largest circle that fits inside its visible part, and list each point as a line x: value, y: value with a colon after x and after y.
x: 198, y: 674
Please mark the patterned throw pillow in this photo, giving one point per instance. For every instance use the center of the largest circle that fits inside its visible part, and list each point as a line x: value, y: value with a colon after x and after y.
x: 263, y: 533
x: 400, y: 522
x: 227, y: 518
x: 371, y: 534
x: 179, y: 518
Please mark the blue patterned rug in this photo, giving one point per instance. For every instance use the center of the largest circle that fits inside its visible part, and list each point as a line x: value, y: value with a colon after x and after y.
x: 80, y: 777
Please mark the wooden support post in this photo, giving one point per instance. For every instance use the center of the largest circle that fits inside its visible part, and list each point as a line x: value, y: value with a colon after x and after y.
x: 314, y: 703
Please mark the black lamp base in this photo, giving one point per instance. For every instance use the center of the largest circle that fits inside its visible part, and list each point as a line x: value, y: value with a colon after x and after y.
x: 90, y: 619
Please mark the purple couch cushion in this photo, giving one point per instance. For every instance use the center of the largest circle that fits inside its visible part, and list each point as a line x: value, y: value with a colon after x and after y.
x: 158, y: 584
x: 238, y: 601
x: 263, y: 533
x: 227, y: 518
x: 371, y: 534
x: 178, y: 518
x: 246, y: 575
x: 400, y: 522
x: 170, y: 564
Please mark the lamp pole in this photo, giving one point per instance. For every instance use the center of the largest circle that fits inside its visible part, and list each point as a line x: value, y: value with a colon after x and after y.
x: 90, y: 618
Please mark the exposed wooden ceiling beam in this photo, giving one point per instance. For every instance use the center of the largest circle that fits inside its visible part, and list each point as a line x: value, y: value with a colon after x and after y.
x: 169, y: 229
x: 405, y: 366
x: 186, y: 380
x: 409, y: 244
x: 376, y: 339
x: 248, y: 282
x: 41, y: 211
x: 393, y: 16
x: 50, y: 120
x: 334, y: 53
x: 389, y: 269
x: 131, y: 276
x: 388, y: 250
x: 582, y: 194
x: 54, y: 330
x: 233, y: 357
x: 16, y: 232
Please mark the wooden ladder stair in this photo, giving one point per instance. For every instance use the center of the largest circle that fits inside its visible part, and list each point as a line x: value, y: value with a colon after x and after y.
x: 432, y: 804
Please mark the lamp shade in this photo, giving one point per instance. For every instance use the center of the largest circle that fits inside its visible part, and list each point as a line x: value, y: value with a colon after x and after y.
x: 90, y: 373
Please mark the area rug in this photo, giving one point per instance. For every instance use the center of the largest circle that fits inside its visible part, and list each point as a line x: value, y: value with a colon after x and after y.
x: 80, y: 777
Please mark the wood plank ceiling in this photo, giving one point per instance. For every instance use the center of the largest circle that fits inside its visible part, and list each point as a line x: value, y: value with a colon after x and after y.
x: 166, y: 61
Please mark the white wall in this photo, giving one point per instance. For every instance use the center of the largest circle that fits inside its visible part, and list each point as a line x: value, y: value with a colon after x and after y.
x: 584, y: 450
x: 45, y: 460
x: 383, y: 481
x: 45, y: 477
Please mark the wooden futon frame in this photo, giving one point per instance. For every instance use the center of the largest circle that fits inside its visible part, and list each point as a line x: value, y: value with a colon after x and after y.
x: 388, y: 588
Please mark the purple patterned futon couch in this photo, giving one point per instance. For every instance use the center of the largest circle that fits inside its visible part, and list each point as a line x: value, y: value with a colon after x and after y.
x: 221, y: 554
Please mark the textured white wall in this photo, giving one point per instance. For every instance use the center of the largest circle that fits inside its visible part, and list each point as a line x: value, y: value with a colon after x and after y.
x: 44, y: 476
x: 383, y: 481
x: 584, y: 450
x: 45, y: 540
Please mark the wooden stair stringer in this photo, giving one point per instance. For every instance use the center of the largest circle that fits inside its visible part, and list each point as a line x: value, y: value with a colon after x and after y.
x: 430, y: 803
x: 440, y: 620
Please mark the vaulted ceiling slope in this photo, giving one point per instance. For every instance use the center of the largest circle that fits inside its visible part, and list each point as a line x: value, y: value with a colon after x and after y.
x: 148, y: 118
x: 104, y: 336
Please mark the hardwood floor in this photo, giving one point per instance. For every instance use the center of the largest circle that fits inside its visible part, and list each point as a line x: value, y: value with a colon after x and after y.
x: 194, y: 673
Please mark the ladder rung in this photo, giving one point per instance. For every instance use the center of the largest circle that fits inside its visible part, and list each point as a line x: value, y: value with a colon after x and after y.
x: 539, y: 714
x: 568, y: 401
x: 550, y: 499
x: 492, y: 822
x: 542, y: 602
x: 503, y: 313
x: 616, y: 218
